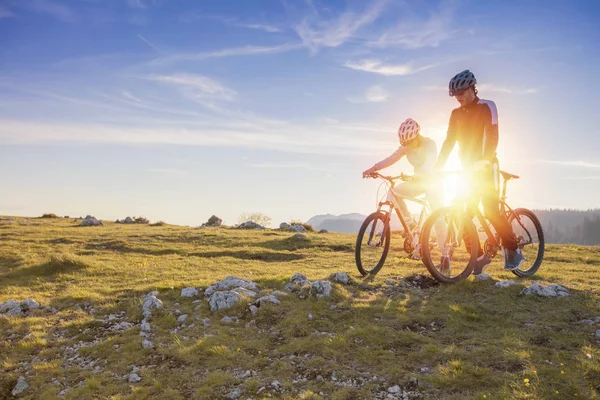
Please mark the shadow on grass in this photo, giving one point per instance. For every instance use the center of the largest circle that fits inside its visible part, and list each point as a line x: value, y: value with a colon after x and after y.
x: 250, y: 255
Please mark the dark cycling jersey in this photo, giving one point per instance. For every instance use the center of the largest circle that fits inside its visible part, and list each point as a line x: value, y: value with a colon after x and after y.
x: 475, y: 128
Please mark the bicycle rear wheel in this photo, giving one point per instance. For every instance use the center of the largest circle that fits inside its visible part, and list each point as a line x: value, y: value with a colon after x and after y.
x: 372, y: 243
x: 528, y: 230
x: 449, y: 233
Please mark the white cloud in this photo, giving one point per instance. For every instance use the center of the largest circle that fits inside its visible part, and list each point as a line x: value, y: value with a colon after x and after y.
x: 378, y: 67
x: 53, y: 8
x: 373, y: 94
x: 197, y: 85
x: 262, y: 27
x: 418, y: 33
x: 317, y: 32
x: 490, y: 87
x: 143, y: 39
x: 572, y: 163
x: 232, y: 52
x: 228, y: 20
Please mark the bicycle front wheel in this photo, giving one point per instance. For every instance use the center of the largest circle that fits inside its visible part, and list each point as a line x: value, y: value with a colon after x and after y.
x: 528, y: 230
x: 450, y: 234
x: 372, y: 243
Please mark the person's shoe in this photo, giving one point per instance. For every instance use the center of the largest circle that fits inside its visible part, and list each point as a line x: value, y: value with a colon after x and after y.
x: 513, y: 259
x: 444, y: 266
x: 482, y: 262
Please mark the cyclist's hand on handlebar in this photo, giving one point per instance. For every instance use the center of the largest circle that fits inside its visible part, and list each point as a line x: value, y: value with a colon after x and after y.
x: 369, y: 173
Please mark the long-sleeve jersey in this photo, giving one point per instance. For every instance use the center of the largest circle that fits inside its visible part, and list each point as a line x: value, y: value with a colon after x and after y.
x: 475, y: 128
x: 422, y: 158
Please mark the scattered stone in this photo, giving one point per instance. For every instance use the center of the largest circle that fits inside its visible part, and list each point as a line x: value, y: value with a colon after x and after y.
x: 320, y: 289
x: 505, y: 284
x: 145, y: 326
x: 341, y: 277
x: 300, y: 236
x: 279, y: 293
x: 323, y: 231
x: 189, y: 292
x: 310, y: 316
x: 133, y: 377
x: 20, y: 386
x: 149, y: 303
x: 181, y: 319
x: 146, y: 344
x: 234, y: 394
x: 229, y: 283
x: 250, y: 225
x: 30, y: 304
x: 552, y: 290
x: 267, y: 299
x: 284, y: 226
x: 245, y: 292
x: 297, y: 282
x: 597, y: 334
x: 64, y: 392
x: 483, y: 277
x: 394, y: 389
x: 297, y: 228
x: 214, y: 221
x: 253, y: 309
x: 424, y: 369
x: 90, y: 221
x: 206, y: 322
x: 121, y: 326
x: 276, y: 385
x: 229, y: 320
x: 223, y: 300
x: 9, y: 305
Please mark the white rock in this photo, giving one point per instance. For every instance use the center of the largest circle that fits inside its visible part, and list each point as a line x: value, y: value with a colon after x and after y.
x: 15, y: 312
x: 229, y: 320
x: 63, y: 392
x: 9, y: 305
x: 552, y: 290
x: 297, y: 281
x: 206, y: 322
x: 505, y: 284
x: 245, y: 292
x: 320, y: 289
x: 267, y: 299
x: 145, y: 326
x: 597, y: 334
x: 223, y: 300
x: 284, y: 226
x: 279, y: 293
x: 149, y: 303
x: 229, y: 283
x: 276, y: 385
x: 30, y: 304
x: 20, y: 386
x: 250, y: 225
x: 253, y: 309
x: 146, y: 344
x: 310, y: 316
x: 483, y: 277
x: 133, y: 377
x: 189, y: 292
x: 341, y: 277
x: 394, y: 389
x: 234, y: 394
x: 90, y: 221
x: 181, y: 319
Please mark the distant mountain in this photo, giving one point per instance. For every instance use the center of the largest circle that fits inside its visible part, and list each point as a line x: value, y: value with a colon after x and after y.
x: 559, y: 226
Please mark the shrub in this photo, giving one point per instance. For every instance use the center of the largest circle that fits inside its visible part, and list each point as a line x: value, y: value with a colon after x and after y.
x: 306, y: 226
x: 256, y: 217
x: 49, y: 215
x: 158, y: 223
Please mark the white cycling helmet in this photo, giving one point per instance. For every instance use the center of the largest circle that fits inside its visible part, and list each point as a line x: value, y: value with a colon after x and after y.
x: 408, y: 131
x: 461, y: 81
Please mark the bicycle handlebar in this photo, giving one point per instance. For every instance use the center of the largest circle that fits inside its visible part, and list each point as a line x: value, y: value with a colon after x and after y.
x: 391, y: 179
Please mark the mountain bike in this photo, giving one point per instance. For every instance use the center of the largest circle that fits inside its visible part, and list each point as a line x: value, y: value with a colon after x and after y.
x: 461, y: 237
x: 373, y: 240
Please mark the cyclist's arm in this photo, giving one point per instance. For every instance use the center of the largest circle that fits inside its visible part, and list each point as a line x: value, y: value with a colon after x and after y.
x: 448, y: 144
x: 391, y: 160
x: 490, y: 132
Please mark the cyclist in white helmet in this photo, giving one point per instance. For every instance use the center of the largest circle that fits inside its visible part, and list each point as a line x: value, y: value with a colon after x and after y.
x: 421, y: 153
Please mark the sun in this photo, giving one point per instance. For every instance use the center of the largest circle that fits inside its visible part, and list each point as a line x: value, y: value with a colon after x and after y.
x: 454, y: 184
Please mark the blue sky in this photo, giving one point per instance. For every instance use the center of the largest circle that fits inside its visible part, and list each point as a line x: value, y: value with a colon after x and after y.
x: 178, y: 110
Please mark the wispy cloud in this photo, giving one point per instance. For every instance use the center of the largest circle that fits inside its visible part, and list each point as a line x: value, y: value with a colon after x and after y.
x: 197, y: 85
x: 143, y: 39
x: 231, y: 52
x: 317, y: 32
x: 55, y: 9
x: 417, y: 33
x: 573, y: 163
x: 141, y: 4
x: 490, y: 87
x: 228, y: 20
x: 373, y: 94
x: 262, y: 27
x: 379, y: 67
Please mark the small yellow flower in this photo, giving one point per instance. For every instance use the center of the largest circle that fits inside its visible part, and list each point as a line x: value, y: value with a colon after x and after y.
x: 484, y: 396
x: 557, y: 392
x: 527, y: 384
x: 562, y: 372
x: 526, y: 380
x: 238, y: 349
x: 259, y: 352
x: 561, y: 364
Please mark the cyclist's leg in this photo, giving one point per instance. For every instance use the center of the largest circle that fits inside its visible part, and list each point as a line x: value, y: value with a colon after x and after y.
x: 491, y: 208
x: 435, y: 198
x: 407, y: 189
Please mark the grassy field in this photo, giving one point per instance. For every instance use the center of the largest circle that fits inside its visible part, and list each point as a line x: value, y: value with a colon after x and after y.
x: 465, y: 341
